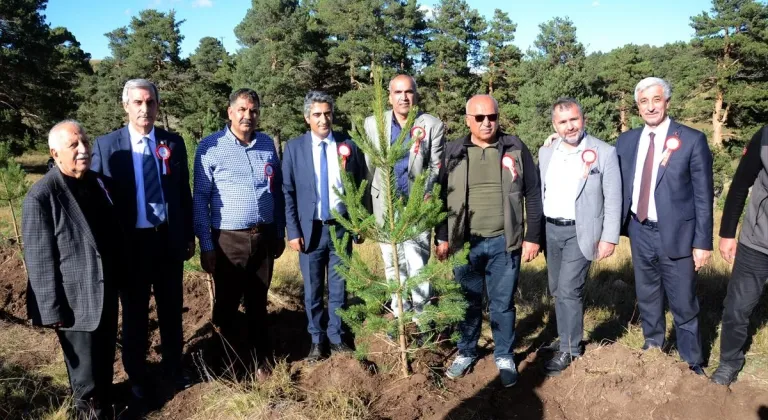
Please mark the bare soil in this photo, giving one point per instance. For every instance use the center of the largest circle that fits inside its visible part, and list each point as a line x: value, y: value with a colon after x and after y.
x: 610, y: 382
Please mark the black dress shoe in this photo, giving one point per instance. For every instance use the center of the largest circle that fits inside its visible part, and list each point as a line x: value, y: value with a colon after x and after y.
x: 697, y: 369
x: 557, y: 364
x: 340, y: 348
x: 315, y: 353
x: 725, y: 374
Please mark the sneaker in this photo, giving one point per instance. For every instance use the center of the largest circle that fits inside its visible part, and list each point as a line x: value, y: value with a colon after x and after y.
x: 507, y: 371
x: 459, y: 367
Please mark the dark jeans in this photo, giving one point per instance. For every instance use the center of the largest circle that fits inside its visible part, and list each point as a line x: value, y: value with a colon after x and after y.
x: 317, y: 262
x: 657, y: 275
x: 244, y: 271
x: 567, y: 269
x: 89, y: 357
x: 489, y: 262
x: 750, y: 271
x: 153, y: 268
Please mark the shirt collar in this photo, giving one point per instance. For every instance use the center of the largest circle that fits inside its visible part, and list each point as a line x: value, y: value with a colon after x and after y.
x: 233, y: 138
x: 316, y: 140
x: 660, y: 131
x: 579, y: 148
x: 397, y: 123
x: 136, y: 137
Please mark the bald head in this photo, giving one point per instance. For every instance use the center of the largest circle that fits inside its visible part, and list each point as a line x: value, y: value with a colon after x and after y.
x: 402, y: 95
x: 69, y: 148
x: 482, y: 118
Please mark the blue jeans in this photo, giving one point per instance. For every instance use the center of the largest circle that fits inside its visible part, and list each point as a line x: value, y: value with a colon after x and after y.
x: 489, y: 262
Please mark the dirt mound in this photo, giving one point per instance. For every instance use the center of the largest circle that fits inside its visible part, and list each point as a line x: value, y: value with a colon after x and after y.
x: 340, y: 373
x: 13, y: 284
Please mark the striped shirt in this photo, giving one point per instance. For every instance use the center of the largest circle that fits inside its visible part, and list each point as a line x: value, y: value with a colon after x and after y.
x: 232, y: 186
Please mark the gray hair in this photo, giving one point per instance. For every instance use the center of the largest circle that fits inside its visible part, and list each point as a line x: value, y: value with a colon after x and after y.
x: 245, y: 93
x: 565, y: 103
x: 316, y: 96
x: 140, y: 84
x: 653, y: 81
x: 495, y: 102
x: 55, y: 135
x: 413, y: 82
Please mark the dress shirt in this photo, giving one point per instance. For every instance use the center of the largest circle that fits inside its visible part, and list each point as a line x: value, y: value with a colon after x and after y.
x: 137, y: 146
x: 642, y: 150
x: 561, y: 182
x: 401, y: 167
x: 334, y: 174
x: 231, y: 186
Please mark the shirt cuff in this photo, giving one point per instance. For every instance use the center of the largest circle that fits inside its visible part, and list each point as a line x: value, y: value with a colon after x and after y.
x: 206, y: 244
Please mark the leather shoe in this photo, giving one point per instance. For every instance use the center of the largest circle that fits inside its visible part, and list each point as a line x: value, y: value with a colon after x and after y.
x: 557, y: 364
x: 315, y: 353
x: 650, y: 345
x: 697, y: 369
x: 725, y: 374
x: 340, y: 348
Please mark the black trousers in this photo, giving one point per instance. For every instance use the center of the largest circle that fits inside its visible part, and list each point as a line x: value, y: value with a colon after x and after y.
x: 152, y: 269
x: 244, y: 264
x: 90, y: 357
x: 748, y: 278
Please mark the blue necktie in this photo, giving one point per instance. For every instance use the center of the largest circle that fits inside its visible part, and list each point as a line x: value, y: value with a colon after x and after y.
x: 325, y: 207
x: 152, y: 191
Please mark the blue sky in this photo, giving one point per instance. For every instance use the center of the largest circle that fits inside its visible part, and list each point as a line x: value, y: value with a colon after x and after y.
x: 601, y: 24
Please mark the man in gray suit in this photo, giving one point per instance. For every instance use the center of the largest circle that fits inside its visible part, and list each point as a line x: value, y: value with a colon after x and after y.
x: 72, y: 250
x: 426, y: 144
x: 582, y: 209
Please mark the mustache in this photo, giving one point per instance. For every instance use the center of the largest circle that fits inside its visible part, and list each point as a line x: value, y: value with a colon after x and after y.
x: 246, y: 121
x: 82, y: 156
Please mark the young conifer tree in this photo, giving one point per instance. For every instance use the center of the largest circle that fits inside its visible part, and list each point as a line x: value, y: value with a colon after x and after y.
x: 404, y: 219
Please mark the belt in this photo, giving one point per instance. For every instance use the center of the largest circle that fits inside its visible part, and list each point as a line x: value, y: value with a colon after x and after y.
x: 159, y: 228
x: 329, y: 222
x: 647, y: 222
x: 257, y: 228
x: 560, y: 221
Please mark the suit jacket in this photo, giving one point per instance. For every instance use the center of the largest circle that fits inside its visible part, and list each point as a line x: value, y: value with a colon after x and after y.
x: 66, y: 276
x: 598, y: 203
x: 684, y: 189
x: 112, y: 158
x: 299, y: 182
x: 429, y: 157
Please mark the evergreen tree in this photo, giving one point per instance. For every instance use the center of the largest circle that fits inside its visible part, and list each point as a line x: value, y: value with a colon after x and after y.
x: 619, y: 71
x: 501, y: 59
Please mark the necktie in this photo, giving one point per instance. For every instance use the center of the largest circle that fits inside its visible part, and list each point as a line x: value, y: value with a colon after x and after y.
x: 645, y: 182
x: 325, y: 207
x: 153, y: 196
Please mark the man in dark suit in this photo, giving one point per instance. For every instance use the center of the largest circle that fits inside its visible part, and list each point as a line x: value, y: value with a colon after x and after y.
x: 309, y: 201
x: 72, y: 252
x: 147, y: 167
x: 666, y: 170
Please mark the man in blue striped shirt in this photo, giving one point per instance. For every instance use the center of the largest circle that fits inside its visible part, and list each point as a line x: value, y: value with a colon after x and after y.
x: 239, y: 212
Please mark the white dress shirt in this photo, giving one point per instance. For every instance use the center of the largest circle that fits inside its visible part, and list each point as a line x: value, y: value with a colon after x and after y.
x: 334, y: 174
x: 561, y: 182
x: 642, y: 150
x: 137, y: 146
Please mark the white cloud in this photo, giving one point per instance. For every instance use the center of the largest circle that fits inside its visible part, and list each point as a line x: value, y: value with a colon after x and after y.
x: 595, y: 3
x: 429, y: 12
x: 202, y: 3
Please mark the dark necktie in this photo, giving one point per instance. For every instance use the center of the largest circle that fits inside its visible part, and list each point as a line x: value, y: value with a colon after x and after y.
x: 645, y: 182
x: 153, y: 196
x: 325, y: 207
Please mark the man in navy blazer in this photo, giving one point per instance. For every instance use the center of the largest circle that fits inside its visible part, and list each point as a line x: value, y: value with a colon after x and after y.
x: 668, y: 194
x: 312, y: 164
x: 148, y: 170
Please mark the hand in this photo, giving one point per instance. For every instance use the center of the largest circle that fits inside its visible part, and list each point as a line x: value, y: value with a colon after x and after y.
x: 530, y: 251
x: 605, y: 250
x: 56, y: 325
x: 190, y: 250
x: 208, y: 261
x: 700, y: 258
x: 441, y: 251
x: 279, y: 248
x: 548, y: 142
x: 297, y: 244
x: 728, y: 249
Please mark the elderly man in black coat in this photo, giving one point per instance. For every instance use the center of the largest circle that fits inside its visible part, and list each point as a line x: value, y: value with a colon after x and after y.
x: 72, y: 255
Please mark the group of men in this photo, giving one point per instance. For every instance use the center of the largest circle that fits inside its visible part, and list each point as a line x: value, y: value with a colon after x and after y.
x: 119, y: 219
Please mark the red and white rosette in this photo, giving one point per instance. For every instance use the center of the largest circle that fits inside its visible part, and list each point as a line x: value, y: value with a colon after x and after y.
x: 269, y: 172
x: 589, y: 157
x: 671, y: 144
x: 164, y: 152
x: 344, y: 152
x: 508, y: 162
x: 417, y: 135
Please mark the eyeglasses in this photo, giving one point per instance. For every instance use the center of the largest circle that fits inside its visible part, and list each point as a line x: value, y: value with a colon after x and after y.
x: 480, y: 117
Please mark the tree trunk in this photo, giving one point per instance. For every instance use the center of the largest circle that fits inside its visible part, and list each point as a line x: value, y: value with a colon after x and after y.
x: 279, y: 149
x: 718, y: 119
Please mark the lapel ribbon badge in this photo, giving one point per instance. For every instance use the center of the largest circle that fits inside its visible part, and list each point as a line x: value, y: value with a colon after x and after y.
x: 509, y: 162
x: 164, y: 153
x: 101, y: 184
x: 589, y: 157
x: 417, y: 135
x: 671, y: 144
x: 344, y: 152
x: 269, y: 172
